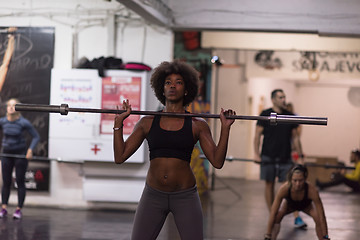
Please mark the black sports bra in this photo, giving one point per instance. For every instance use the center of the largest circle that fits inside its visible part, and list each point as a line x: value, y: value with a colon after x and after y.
x: 299, y: 205
x: 172, y: 144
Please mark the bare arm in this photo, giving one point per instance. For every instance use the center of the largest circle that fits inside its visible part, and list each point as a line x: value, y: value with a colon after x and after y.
x: 215, y: 153
x: 6, y: 60
x: 297, y: 144
x: 258, y: 132
x: 354, y: 175
x: 314, y: 196
x: 276, y: 206
x: 124, y: 149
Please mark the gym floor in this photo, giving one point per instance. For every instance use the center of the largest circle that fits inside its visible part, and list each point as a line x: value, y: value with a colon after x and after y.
x: 235, y: 209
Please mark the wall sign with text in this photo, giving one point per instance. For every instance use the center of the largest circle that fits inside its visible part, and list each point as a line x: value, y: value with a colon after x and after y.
x: 88, y: 136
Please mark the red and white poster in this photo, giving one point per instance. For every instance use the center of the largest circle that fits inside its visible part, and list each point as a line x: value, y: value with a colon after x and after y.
x: 89, y: 136
x: 114, y: 90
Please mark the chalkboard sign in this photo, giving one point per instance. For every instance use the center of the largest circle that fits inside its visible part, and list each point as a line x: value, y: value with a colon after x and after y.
x: 29, y: 74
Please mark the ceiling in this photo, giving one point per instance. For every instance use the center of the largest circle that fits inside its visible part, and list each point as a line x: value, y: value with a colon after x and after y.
x: 321, y: 17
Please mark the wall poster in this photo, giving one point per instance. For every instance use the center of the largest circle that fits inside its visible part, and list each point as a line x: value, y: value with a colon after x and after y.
x: 88, y: 136
x: 114, y: 91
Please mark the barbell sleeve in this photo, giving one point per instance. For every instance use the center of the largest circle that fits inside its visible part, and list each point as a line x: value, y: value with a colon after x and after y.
x: 62, y: 109
x: 274, y: 118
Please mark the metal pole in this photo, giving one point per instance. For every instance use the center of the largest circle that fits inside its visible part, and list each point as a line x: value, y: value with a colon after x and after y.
x: 215, y: 123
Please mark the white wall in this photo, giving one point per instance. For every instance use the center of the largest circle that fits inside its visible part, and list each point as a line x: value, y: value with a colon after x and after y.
x: 89, y: 19
x: 82, y: 29
x: 343, y: 131
x: 231, y: 90
x: 325, y: 98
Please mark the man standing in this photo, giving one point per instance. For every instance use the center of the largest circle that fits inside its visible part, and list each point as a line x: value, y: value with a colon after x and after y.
x: 275, y: 154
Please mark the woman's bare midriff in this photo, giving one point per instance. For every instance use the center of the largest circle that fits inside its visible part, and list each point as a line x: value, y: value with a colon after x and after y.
x: 170, y: 175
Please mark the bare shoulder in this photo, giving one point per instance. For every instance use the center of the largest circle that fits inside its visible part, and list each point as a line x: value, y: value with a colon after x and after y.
x: 145, y: 123
x: 283, y: 190
x: 199, y: 121
x: 146, y: 119
x: 199, y: 124
x: 311, y: 187
x: 312, y: 191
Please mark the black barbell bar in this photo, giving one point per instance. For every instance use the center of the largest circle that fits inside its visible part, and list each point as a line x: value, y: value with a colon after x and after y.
x: 230, y: 159
x: 308, y: 164
x: 17, y: 30
x: 274, y: 118
x: 328, y: 166
x: 39, y: 158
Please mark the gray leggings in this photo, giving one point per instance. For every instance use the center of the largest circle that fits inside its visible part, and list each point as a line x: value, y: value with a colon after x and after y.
x: 155, y: 205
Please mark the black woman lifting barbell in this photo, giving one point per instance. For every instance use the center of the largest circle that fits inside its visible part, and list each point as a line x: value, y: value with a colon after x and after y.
x: 171, y: 135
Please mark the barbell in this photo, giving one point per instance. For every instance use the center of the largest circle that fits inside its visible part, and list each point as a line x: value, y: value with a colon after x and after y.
x: 274, y: 118
x: 328, y: 166
x: 39, y: 158
x: 230, y: 159
x: 307, y: 164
